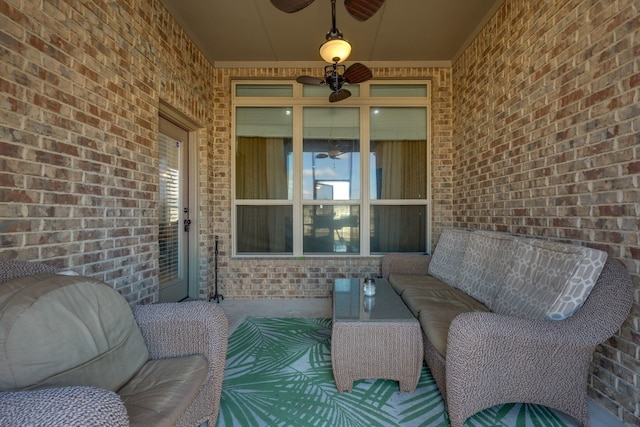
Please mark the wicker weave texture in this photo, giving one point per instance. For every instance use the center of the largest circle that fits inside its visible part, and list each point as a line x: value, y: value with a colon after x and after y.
x: 547, y: 361
x: 63, y: 406
x: 195, y: 327
x: 387, y: 350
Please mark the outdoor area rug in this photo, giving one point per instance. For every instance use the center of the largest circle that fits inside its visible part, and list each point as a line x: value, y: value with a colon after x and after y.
x: 278, y: 373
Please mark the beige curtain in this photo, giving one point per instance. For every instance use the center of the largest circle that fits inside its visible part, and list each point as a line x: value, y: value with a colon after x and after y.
x: 403, y: 176
x: 261, y: 174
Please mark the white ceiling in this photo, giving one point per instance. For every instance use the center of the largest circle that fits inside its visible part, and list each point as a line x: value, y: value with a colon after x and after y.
x: 236, y: 33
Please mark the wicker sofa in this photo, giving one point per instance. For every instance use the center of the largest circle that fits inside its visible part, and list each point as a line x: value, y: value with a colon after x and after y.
x: 511, y: 319
x: 74, y: 353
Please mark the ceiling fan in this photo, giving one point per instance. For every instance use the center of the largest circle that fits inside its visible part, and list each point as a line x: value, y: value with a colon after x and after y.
x: 336, y: 49
x: 359, y: 9
x: 336, y: 75
x: 331, y: 154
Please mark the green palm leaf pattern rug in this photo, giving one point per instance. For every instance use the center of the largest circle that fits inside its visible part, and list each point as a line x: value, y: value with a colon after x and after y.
x: 278, y: 373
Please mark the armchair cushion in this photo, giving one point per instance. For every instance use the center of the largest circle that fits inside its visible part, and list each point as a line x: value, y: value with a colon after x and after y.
x: 93, y: 341
x: 160, y: 392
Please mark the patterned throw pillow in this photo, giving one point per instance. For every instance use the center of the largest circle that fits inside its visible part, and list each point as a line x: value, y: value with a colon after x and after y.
x: 446, y: 259
x: 484, y: 265
x: 548, y: 280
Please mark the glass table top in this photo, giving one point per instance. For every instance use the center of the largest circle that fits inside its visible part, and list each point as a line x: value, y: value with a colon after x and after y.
x: 350, y: 303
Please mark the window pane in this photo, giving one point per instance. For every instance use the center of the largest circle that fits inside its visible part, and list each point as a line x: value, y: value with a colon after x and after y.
x: 264, y: 90
x: 396, y: 123
x: 264, y: 150
x: 331, y: 154
x: 331, y: 229
x: 394, y: 90
x: 398, y: 228
x: 274, y: 122
x: 331, y: 169
x: 264, y: 229
x: 398, y: 157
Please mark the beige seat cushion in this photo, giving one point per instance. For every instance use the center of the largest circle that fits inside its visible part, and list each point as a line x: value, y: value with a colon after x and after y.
x: 399, y: 282
x: 435, y: 309
x: 160, y: 392
x: 66, y: 330
x: 548, y: 280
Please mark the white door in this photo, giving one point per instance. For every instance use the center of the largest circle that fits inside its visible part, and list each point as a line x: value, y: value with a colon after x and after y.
x: 173, y: 212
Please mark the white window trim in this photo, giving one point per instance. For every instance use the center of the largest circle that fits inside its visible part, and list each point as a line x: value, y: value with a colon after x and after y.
x: 297, y: 102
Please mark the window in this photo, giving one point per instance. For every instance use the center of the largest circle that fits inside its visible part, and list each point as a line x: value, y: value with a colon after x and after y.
x: 349, y: 178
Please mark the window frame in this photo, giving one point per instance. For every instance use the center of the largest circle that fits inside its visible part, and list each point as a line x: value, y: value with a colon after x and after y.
x: 297, y: 103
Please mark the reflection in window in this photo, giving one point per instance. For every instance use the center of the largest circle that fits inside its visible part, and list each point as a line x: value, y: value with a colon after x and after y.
x: 398, y: 156
x: 331, y: 229
x: 262, y: 168
x: 265, y: 229
x: 400, y: 170
x: 398, y: 228
x: 331, y: 170
x: 263, y: 153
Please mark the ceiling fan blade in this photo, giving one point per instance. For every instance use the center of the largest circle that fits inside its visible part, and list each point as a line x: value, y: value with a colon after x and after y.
x: 339, y: 95
x: 291, y: 6
x: 309, y: 80
x: 362, y: 9
x: 357, y: 73
x: 322, y: 156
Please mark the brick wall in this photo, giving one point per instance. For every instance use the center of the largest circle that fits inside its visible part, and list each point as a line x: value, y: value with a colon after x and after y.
x: 547, y: 143
x: 80, y: 83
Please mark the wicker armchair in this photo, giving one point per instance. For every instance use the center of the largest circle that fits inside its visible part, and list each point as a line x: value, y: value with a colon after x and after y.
x: 193, y: 331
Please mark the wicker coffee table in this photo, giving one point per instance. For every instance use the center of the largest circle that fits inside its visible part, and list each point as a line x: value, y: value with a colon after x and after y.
x: 373, y: 337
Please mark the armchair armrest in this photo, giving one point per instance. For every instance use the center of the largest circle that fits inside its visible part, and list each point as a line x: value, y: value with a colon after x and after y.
x: 405, y: 263
x: 180, y: 329
x: 516, y: 360
x: 61, y: 407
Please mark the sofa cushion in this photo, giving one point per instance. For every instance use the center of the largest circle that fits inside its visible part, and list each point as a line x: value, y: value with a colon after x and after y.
x: 436, y: 309
x: 548, y: 280
x: 446, y: 259
x: 418, y: 299
x: 484, y: 264
x: 66, y: 330
x: 160, y: 392
x: 400, y: 282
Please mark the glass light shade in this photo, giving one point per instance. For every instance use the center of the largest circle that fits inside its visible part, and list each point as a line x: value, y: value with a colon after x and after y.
x: 335, y: 50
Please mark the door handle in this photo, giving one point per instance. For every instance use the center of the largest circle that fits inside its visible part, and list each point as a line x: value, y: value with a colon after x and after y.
x: 187, y: 224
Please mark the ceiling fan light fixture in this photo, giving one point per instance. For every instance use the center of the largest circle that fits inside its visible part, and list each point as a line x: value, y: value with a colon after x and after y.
x: 335, y: 50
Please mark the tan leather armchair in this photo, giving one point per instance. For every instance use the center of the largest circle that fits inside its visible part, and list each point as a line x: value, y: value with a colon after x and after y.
x: 73, y: 352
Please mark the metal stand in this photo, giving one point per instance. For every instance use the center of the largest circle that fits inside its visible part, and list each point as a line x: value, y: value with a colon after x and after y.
x: 216, y: 296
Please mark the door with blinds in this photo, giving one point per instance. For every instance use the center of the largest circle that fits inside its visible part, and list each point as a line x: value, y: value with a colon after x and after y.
x: 174, y: 222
